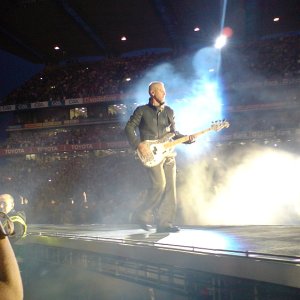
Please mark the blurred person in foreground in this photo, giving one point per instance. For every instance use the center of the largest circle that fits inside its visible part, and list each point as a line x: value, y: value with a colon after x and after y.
x: 11, y: 287
x: 7, y: 206
x: 151, y: 123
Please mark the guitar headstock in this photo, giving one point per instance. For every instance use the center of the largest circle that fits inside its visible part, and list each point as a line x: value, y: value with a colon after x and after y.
x: 218, y: 125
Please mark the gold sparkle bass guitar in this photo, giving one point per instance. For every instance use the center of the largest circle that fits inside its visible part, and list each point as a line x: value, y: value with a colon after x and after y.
x: 162, y: 148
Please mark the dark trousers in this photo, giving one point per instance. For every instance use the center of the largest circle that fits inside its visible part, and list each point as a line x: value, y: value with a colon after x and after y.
x: 160, y: 198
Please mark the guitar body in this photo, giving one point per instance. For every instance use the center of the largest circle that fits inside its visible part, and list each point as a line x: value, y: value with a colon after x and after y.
x: 158, y: 151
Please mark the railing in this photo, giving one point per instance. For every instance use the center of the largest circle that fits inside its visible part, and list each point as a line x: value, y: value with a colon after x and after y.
x: 181, y: 248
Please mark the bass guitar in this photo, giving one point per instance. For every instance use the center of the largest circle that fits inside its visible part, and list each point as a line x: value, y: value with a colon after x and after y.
x: 162, y: 148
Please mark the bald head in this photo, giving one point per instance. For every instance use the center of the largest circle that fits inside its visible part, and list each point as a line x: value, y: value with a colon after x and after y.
x: 157, y: 93
x: 7, y: 203
x: 154, y: 86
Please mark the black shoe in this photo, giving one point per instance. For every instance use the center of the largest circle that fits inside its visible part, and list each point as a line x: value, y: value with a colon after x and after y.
x: 145, y: 226
x: 161, y: 229
x: 142, y: 224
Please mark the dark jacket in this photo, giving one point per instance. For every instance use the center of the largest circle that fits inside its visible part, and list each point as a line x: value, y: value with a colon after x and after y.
x: 151, y: 122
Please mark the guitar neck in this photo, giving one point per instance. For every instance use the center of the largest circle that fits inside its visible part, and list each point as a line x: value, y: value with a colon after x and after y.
x: 185, y: 138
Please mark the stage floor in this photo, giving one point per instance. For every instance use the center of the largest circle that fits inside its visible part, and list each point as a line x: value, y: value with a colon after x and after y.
x: 260, y: 253
x: 281, y: 241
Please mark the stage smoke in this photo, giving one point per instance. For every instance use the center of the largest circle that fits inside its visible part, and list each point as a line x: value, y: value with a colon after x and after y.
x: 256, y: 187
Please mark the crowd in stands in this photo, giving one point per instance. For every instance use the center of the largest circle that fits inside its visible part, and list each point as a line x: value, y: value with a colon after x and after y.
x: 264, y: 120
x: 265, y: 59
x: 92, y: 189
x: 252, y: 62
x: 64, y: 136
x: 106, y: 77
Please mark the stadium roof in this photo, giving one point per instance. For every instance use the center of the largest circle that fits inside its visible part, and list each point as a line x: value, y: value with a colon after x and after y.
x: 32, y: 28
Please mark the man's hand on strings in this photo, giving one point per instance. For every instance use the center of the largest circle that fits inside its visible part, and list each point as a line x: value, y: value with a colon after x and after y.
x: 144, y: 150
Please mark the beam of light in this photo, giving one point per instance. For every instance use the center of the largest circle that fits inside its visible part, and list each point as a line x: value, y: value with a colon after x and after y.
x: 205, y: 60
x: 221, y: 41
x: 260, y: 188
x: 206, y: 104
x: 201, y: 109
x: 223, y: 13
x: 197, y: 113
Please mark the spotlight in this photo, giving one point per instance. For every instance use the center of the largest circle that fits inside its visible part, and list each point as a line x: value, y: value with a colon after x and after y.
x: 220, y: 41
